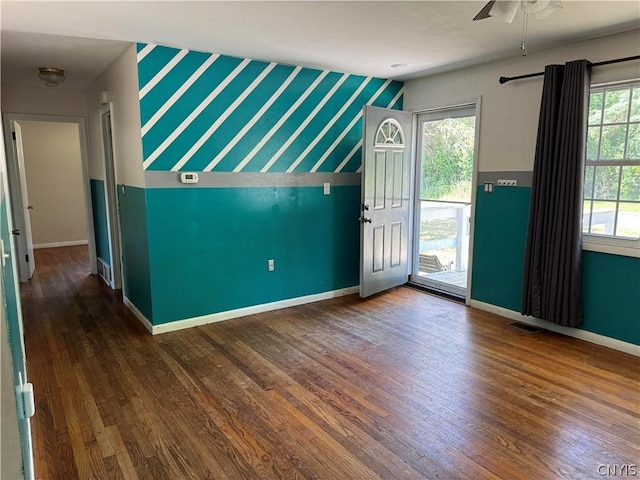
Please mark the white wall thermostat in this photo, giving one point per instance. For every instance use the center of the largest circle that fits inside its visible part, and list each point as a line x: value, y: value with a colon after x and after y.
x: 188, y: 177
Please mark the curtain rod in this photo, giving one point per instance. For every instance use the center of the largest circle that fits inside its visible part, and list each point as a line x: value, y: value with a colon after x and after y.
x: 539, y: 74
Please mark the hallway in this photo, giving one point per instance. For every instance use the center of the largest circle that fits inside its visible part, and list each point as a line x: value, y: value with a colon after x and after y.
x: 401, y: 386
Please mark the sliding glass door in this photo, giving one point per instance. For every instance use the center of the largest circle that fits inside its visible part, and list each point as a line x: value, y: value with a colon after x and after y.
x: 446, y: 141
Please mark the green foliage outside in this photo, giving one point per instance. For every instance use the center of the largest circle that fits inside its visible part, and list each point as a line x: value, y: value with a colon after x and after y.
x: 611, y: 113
x: 447, y: 166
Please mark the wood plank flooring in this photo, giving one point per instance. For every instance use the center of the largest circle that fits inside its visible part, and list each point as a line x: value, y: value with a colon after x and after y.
x: 401, y: 386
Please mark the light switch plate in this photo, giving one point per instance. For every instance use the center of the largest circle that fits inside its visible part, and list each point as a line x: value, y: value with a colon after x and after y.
x: 327, y: 188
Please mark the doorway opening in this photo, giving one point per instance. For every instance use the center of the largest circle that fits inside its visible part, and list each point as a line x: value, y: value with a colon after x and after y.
x: 446, y: 146
x: 49, y: 186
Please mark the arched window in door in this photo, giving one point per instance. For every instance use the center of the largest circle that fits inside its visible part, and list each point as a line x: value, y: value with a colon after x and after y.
x: 389, y: 134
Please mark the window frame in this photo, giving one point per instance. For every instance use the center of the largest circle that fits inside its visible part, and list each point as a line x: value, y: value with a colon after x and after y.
x: 603, y: 243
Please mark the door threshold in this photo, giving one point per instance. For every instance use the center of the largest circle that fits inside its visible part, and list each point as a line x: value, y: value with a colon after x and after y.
x: 436, y: 292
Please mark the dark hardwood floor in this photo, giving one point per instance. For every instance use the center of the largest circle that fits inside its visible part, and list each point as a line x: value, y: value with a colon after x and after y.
x: 402, y: 386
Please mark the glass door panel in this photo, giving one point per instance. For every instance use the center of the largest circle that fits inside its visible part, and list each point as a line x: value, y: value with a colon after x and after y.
x: 443, y: 204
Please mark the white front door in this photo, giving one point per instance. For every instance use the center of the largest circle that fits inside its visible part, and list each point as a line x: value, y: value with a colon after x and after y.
x: 21, y: 228
x: 385, y: 199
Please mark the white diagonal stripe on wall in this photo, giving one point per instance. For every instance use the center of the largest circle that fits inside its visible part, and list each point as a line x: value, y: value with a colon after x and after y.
x: 348, y: 157
x: 162, y: 73
x: 329, y: 124
x: 396, y: 98
x: 306, y: 122
x: 359, y: 144
x: 240, y: 135
x: 230, y: 109
x: 193, y: 115
x: 146, y: 50
x: 349, y: 127
x: 280, y: 122
x: 176, y: 96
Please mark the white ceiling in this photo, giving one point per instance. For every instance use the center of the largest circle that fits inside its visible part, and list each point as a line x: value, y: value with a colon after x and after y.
x: 362, y: 37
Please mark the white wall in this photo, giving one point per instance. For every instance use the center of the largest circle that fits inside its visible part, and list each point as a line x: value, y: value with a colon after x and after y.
x: 120, y: 82
x: 53, y: 166
x: 43, y: 101
x: 509, y: 116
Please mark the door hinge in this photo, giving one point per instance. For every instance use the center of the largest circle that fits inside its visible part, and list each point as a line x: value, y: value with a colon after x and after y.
x: 13, y: 135
x: 27, y: 257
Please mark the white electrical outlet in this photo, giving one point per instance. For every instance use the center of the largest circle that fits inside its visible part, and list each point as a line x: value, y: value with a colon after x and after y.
x: 327, y: 188
x: 507, y: 183
x: 271, y: 265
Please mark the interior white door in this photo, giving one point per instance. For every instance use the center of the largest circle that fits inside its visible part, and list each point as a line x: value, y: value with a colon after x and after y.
x: 384, y: 220
x: 12, y: 332
x: 21, y: 208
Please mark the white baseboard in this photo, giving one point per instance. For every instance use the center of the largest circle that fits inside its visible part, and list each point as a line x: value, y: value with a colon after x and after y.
x: 240, y: 312
x: 571, y: 332
x: 72, y: 243
x: 138, y: 314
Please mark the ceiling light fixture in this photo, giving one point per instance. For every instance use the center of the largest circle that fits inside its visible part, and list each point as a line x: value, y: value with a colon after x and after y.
x: 399, y: 66
x: 51, y: 76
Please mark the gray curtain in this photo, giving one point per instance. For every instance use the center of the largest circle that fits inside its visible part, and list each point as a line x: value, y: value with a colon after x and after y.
x: 552, y: 281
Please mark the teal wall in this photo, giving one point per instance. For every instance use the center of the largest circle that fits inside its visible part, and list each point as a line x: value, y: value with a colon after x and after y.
x: 251, y: 113
x: 612, y: 296
x: 100, y: 224
x: 135, y: 252
x: 611, y: 282
x: 211, y: 256
x: 11, y: 297
x: 208, y: 247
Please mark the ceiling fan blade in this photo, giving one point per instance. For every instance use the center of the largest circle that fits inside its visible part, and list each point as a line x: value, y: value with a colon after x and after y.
x: 552, y: 7
x: 484, y: 13
x: 505, y: 10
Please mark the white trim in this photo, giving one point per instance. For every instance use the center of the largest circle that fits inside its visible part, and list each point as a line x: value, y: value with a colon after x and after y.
x: 71, y: 243
x: 591, y: 337
x: 608, y: 244
x: 138, y: 314
x: 239, y: 312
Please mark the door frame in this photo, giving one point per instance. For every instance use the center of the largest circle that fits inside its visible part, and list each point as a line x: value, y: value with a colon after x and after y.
x: 415, y: 214
x: 111, y: 200
x: 12, y: 177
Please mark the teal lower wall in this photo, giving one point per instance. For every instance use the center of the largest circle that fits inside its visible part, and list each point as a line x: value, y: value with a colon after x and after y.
x: 611, y: 282
x: 100, y: 224
x: 612, y: 296
x: 208, y: 247
x: 11, y: 295
x: 498, y: 246
x: 135, y: 252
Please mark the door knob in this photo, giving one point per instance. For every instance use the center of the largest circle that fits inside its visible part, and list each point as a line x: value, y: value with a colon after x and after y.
x: 365, y: 207
x: 364, y: 220
x: 29, y: 207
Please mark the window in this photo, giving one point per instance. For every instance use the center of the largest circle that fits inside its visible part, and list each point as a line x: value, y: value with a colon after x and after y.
x: 612, y: 174
x: 389, y: 134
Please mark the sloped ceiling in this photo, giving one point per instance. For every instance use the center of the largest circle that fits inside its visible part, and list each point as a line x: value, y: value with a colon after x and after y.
x: 362, y: 37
